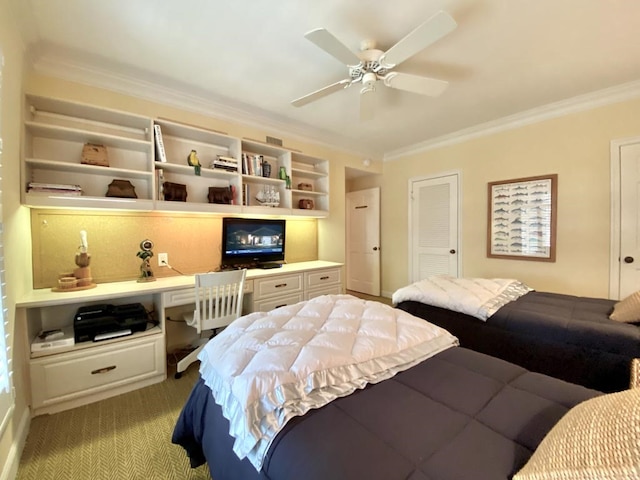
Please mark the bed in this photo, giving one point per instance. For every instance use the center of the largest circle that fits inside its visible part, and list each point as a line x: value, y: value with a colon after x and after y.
x: 442, y: 413
x: 564, y: 336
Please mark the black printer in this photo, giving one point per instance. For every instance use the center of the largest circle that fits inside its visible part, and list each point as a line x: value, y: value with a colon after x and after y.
x: 104, y: 321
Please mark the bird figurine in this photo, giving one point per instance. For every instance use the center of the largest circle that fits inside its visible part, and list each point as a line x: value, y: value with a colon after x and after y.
x: 194, y: 161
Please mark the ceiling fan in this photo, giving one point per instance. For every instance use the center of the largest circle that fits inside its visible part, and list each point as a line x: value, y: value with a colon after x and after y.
x: 371, y: 66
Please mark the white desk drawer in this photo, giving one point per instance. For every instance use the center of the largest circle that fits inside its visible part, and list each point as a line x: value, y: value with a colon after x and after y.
x: 326, y: 290
x: 275, y: 302
x: 187, y: 296
x: 282, y: 284
x: 60, y: 377
x: 322, y: 277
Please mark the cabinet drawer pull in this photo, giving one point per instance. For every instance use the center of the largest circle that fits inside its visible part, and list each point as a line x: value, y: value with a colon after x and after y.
x: 325, y: 277
x: 281, y: 285
x: 278, y: 306
x: 103, y: 370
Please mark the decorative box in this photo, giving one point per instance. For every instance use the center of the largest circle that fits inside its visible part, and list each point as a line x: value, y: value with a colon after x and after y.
x: 220, y: 195
x: 175, y: 192
x: 122, y: 189
x: 95, y: 155
x: 305, y: 186
x: 306, y: 204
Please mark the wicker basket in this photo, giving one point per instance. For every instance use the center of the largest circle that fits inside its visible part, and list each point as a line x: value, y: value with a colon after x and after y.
x: 635, y: 373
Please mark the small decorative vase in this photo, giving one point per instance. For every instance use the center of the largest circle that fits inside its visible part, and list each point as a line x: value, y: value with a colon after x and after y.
x: 282, y: 174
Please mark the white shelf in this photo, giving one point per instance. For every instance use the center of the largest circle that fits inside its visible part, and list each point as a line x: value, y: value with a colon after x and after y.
x: 189, y: 171
x: 84, y: 202
x: 55, y: 132
x: 196, y: 207
x: 263, y: 180
x: 302, y: 173
x: 308, y: 193
x: 57, y: 166
x: 85, y: 345
x: 77, y: 135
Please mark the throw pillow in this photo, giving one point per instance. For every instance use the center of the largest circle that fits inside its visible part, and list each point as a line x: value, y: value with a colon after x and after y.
x: 627, y: 310
x: 596, y: 440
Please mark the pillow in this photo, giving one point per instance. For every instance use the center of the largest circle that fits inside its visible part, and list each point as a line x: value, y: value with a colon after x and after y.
x: 627, y: 310
x: 596, y: 440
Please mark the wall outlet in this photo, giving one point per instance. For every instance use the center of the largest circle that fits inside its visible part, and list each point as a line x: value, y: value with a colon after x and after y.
x: 163, y: 259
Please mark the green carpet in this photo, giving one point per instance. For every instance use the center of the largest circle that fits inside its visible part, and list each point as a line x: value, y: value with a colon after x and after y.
x: 125, y: 437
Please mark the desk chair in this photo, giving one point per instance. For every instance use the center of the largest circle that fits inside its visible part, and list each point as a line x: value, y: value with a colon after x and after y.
x: 218, y: 303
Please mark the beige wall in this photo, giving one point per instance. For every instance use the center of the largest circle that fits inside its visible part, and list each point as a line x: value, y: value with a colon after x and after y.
x: 575, y: 146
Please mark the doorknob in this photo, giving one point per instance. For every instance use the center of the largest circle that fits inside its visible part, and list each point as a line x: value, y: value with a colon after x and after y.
x: 628, y: 259
x: 452, y: 251
x: 375, y: 249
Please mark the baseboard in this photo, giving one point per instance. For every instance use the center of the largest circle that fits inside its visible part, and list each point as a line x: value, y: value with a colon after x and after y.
x: 10, y: 467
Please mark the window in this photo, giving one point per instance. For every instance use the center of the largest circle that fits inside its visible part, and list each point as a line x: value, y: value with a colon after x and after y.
x: 6, y: 396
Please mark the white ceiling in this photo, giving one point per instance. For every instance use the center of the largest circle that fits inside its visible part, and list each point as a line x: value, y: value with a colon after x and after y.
x: 249, y: 58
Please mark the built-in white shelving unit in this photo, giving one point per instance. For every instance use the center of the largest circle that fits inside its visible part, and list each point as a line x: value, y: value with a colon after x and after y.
x: 55, y: 132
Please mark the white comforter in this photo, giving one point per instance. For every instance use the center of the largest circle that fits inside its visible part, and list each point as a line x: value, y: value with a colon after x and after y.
x: 266, y: 368
x: 478, y: 297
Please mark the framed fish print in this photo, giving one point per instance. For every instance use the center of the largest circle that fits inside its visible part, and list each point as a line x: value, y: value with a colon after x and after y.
x: 522, y: 218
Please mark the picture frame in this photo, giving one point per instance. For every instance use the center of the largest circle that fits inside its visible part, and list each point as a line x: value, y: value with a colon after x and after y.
x: 522, y: 218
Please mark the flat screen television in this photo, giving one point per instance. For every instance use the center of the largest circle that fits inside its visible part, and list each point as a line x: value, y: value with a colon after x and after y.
x: 254, y: 243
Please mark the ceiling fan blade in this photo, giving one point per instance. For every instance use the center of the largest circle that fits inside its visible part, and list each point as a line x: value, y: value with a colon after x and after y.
x: 323, y: 92
x: 334, y: 47
x: 367, y: 103
x: 416, y: 84
x: 424, y: 35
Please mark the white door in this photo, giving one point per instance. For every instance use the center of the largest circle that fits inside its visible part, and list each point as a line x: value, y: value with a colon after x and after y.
x: 363, y: 241
x: 433, y: 227
x: 629, y: 219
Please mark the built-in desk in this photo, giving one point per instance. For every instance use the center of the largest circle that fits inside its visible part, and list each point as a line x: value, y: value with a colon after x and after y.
x: 67, y: 377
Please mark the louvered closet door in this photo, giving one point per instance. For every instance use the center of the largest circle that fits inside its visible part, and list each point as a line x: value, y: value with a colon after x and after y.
x: 434, y: 227
x: 629, y: 219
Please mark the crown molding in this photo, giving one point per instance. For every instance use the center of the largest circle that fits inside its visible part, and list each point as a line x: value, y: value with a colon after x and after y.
x: 114, y: 79
x: 600, y: 98
x: 137, y: 86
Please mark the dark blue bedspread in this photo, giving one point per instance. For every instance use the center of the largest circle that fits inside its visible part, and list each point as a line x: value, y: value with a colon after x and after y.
x: 459, y: 415
x: 564, y: 336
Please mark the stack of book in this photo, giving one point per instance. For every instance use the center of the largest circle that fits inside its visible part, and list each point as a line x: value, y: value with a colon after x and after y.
x: 54, y: 189
x: 252, y: 164
x: 229, y: 164
x: 160, y: 183
x: 161, y: 156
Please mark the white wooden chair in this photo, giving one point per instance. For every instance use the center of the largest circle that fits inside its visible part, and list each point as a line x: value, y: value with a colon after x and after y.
x: 218, y: 303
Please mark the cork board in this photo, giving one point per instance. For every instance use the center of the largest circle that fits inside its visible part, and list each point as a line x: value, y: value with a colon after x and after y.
x: 193, y: 243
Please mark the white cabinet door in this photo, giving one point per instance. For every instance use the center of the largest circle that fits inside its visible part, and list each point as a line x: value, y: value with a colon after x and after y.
x: 629, y: 219
x: 433, y: 227
x: 363, y: 241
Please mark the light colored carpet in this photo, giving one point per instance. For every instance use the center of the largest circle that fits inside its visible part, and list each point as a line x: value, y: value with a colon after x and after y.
x: 125, y: 437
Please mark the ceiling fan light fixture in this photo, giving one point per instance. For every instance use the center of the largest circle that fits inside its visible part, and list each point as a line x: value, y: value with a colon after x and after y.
x: 370, y: 65
x: 369, y: 80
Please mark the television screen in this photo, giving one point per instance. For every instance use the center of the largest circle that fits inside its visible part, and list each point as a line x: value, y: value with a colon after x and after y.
x: 252, y: 242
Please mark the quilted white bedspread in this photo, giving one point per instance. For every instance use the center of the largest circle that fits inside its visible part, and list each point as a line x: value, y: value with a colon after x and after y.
x: 478, y: 297
x: 266, y: 368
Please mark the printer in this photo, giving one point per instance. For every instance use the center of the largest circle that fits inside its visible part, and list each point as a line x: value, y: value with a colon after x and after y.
x: 104, y: 321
